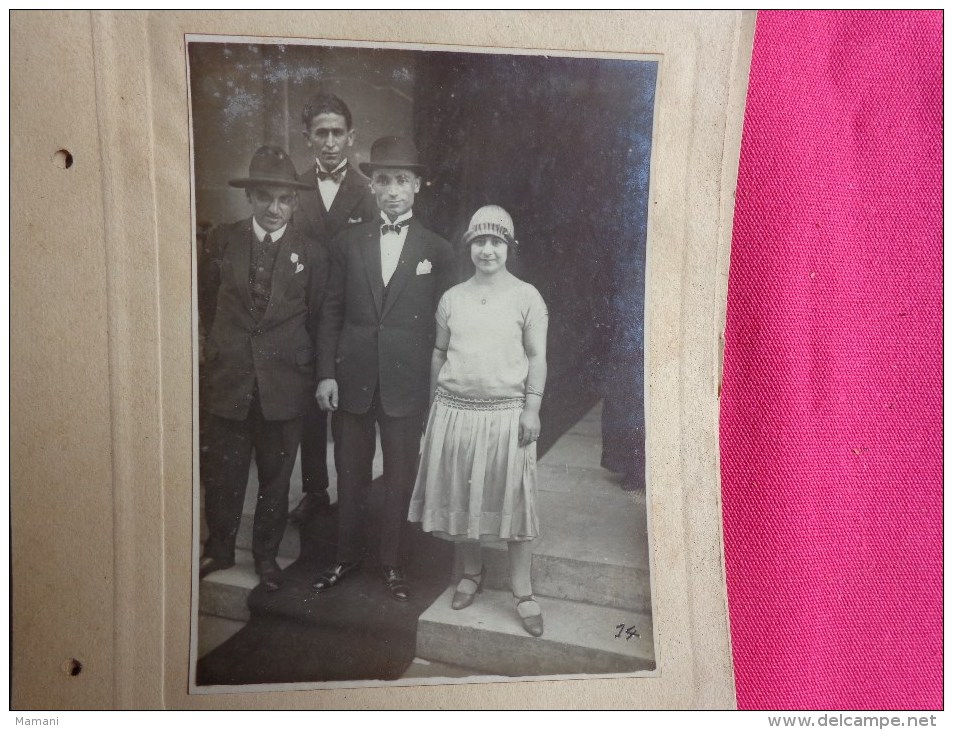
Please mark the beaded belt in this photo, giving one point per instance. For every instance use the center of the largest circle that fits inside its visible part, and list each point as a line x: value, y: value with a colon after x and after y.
x: 479, y: 404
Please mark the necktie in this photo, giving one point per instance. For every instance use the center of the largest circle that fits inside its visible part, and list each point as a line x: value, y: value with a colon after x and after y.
x: 261, y: 252
x: 259, y: 277
x: 392, y: 227
x: 335, y: 176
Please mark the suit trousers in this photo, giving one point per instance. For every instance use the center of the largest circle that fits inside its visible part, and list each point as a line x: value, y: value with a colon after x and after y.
x: 225, y: 475
x: 314, y: 449
x: 400, y: 444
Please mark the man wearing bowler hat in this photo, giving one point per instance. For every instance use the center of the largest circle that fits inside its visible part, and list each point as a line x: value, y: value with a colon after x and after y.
x: 376, y: 340
x: 261, y: 285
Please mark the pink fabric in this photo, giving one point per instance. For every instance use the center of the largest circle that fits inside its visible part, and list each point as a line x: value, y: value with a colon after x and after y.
x: 832, y: 401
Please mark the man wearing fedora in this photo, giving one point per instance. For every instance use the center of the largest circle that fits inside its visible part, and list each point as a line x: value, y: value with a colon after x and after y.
x: 376, y: 340
x: 342, y: 197
x: 261, y: 285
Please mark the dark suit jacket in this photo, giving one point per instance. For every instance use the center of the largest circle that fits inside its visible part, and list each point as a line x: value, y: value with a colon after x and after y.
x: 367, y: 341
x: 277, y: 351
x: 354, y: 203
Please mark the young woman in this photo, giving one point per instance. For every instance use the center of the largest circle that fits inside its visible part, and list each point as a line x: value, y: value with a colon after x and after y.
x: 477, y: 478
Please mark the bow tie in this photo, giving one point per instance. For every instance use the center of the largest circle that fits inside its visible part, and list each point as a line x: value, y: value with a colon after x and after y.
x: 393, y: 227
x: 335, y: 176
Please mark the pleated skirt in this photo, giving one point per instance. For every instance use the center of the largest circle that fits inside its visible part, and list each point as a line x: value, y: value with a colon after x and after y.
x: 475, y: 481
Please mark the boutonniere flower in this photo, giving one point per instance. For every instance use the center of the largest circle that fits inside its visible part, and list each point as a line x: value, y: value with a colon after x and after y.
x: 299, y: 268
x: 424, y: 267
x: 294, y: 258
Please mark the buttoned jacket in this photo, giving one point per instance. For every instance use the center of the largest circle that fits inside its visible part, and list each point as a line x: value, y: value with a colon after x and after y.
x: 275, y: 352
x: 372, y: 338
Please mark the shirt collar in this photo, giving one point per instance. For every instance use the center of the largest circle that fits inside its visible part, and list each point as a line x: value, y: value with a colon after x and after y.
x: 339, y: 168
x: 260, y: 232
x: 400, y: 219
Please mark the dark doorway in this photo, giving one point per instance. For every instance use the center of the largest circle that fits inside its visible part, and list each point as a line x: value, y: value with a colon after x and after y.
x: 564, y: 144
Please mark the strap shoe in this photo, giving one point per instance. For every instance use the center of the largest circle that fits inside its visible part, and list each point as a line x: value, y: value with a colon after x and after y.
x: 462, y: 599
x: 530, y: 614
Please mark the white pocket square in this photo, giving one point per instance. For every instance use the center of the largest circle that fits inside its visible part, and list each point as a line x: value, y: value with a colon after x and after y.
x: 351, y: 221
x: 424, y: 267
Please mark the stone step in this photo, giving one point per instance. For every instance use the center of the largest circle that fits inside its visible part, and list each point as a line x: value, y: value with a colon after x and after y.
x: 579, y: 638
x: 224, y: 593
x: 290, y: 544
x: 605, y: 584
x: 422, y: 669
x: 593, y: 544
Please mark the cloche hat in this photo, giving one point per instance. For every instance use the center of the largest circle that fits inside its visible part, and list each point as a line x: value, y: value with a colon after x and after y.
x: 491, y: 220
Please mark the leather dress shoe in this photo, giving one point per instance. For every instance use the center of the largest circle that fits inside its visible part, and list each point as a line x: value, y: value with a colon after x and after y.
x: 333, y: 575
x: 396, y: 582
x: 270, y: 575
x: 311, y: 504
x: 209, y: 564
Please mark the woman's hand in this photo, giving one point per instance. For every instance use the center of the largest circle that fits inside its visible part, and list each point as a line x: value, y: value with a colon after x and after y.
x: 529, y: 427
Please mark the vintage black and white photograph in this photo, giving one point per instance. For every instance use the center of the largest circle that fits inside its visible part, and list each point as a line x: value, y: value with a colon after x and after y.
x: 419, y: 332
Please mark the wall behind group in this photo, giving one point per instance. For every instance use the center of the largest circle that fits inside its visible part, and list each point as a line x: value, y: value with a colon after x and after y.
x: 248, y: 95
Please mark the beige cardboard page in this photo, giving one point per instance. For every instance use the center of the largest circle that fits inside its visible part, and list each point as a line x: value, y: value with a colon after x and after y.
x: 102, y: 393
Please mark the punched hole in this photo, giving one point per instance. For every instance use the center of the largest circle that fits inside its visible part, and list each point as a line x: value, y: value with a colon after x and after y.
x: 73, y: 667
x: 63, y: 159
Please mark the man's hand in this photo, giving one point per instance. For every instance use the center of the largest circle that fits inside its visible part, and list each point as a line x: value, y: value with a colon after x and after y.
x: 327, y: 394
